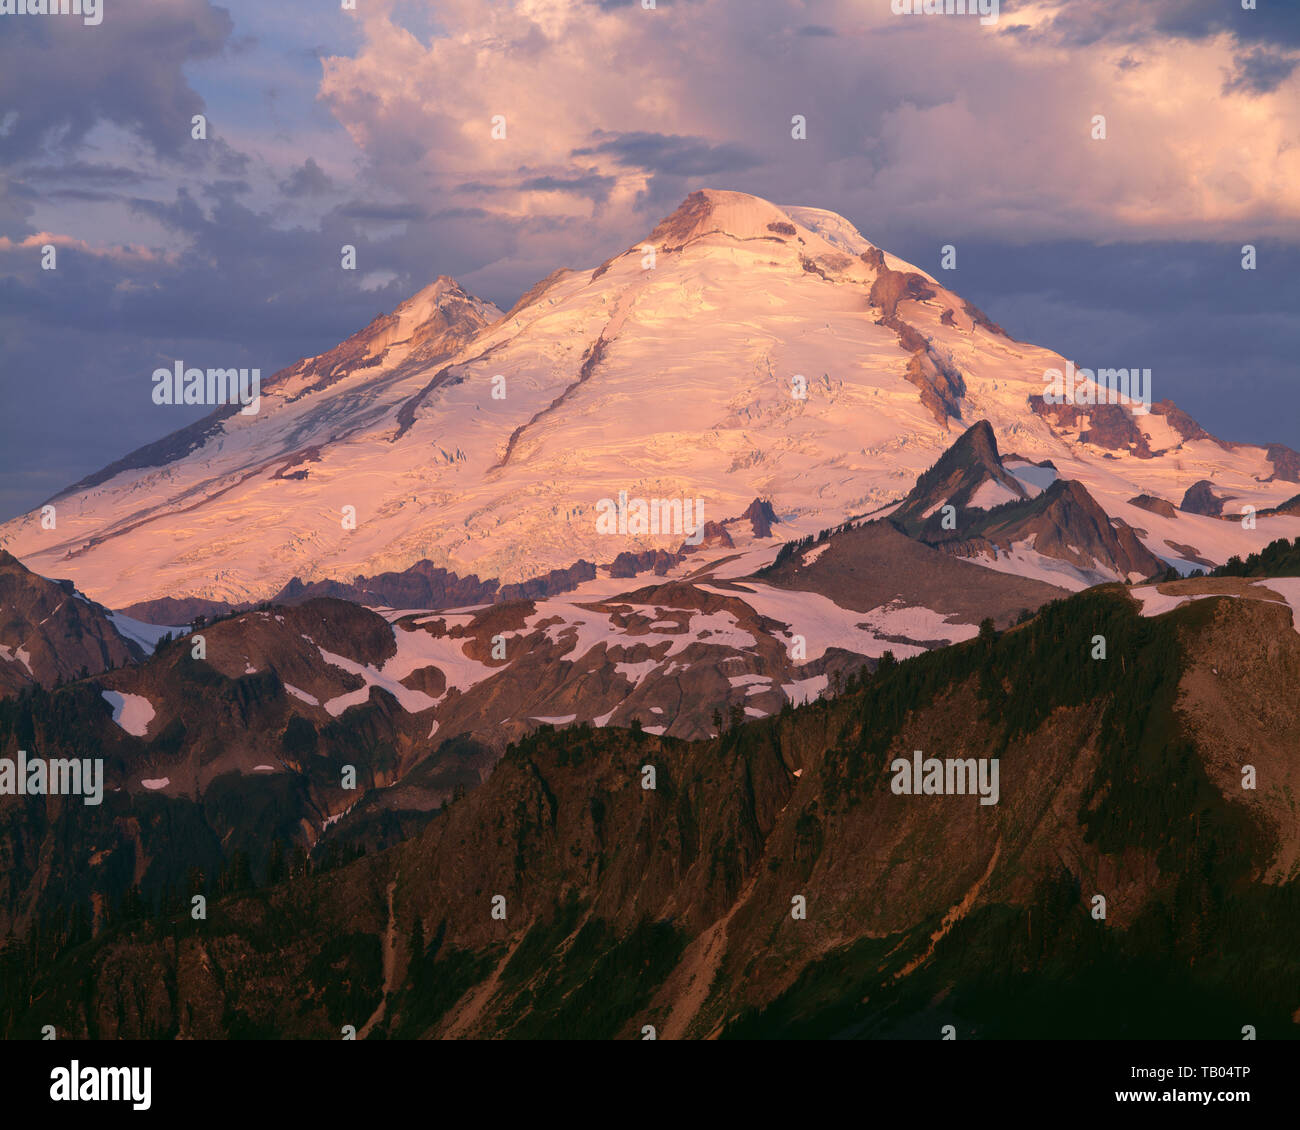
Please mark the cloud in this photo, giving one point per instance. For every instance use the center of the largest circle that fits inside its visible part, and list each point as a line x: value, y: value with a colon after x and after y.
x: 619, y: 112
x: 1261, y: 71
x: 308, y: 179
x: 64, y: 78
x: 1083, y: 23
x: 921, y: 132
x: 672, y: 154
x: 87, y: 171
x: 385, y: 213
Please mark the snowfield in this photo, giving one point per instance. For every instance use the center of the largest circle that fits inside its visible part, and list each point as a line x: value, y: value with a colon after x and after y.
x: 670, y: 383
x: 132, y: 712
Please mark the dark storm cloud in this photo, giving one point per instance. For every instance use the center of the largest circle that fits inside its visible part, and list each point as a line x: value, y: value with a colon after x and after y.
x: 380, y: 213
x: 308, y: 179
x: 1082, y: 23
x: 84, y: 195
x: 591, y: 184
x: 671, y: 154
x: 87, y: 171
x: 62, y: 78
x: 1212, y: 334
x: 1260, y: 72
x: 221, y: 188
x: 17, y: 201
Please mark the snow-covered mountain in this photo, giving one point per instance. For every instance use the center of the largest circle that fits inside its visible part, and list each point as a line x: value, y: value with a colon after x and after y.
x: 741, y: 349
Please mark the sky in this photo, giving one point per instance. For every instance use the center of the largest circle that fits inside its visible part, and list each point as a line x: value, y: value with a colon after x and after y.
x: 373, y: 127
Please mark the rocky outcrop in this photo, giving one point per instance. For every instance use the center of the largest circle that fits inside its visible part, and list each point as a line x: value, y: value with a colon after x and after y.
x: 1161, y: 506
x: 629, y: 564
x: 1201, y: 499
x: 49, y: 632
x: 761, y: 517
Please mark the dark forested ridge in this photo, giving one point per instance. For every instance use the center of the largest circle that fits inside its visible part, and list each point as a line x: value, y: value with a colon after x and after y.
x: 564, y: 899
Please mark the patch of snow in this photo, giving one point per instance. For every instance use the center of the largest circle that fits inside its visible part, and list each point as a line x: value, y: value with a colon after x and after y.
x: 1034, y: 479
x: 636, y: 673
x: 811, y: 555
x: 337, y: 816
x: 146, y: 635
x: 156, y: 782
x: 132, y: 712
x: 1023, y: 561
x: 309, y: 699
x: 822, y: 622
x: 917, y: 623
x: 1156, y: 603
x: 804, y: 690
x: 1288, y: 587
x: 991, y: 493
x: 415, y: 649
x: 23, y: 657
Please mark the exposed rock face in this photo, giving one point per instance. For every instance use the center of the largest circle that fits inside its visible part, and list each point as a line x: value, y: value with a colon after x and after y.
x: 761, y: 516
x: 891, y: 287
x: 1201, y: 499
x: 1063, y: 523
x: 1290, y: 506
x: 1181, y: 422
x: 550, y: 584
x: 715, y: 535
x: 49, y: 632
x: 687, y: 221
x: 180, y: 610
x: 939, y: 381
x: 875, y: 564
x: 941, y: 384
x: 425, y: 585
x: 1161, y: 506
x: 1286, y: 462
x: 1108, y: 425
x: 976, y: 315
x: 969, y: 465
x: 654, y: 560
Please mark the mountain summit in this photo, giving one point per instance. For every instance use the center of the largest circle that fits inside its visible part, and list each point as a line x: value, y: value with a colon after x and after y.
x: 741, y: 349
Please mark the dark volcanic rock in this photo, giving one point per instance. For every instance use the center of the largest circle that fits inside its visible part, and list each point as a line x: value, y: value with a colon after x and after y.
x: 761, y: 516
x: 1201, y: 499
x: 628, y: 564
x: 48, y: 631
x: 1161, y: 506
